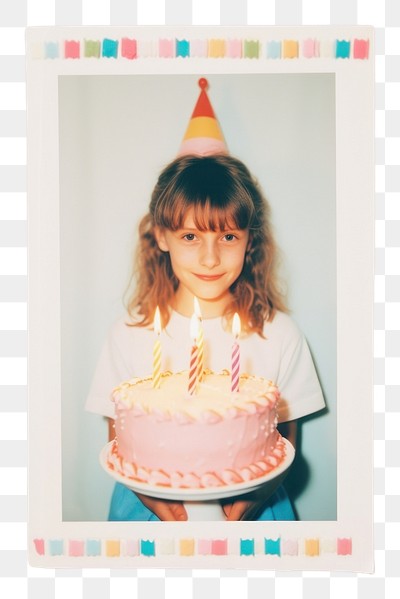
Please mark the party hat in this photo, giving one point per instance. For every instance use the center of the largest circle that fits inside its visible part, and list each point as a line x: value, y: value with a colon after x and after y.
x: 203, y: 135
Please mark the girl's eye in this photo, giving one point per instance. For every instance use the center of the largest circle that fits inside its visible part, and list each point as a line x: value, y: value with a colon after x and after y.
x: 189, y: 237
x: 229, y: 237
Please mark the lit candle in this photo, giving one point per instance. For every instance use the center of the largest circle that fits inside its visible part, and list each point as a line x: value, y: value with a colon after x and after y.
x: 157, y: 351
x: 235, y: 354
x: 200, y: 338
x: 194, y: 355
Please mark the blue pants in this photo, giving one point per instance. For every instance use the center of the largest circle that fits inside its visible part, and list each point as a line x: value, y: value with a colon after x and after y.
x: 126, y: 506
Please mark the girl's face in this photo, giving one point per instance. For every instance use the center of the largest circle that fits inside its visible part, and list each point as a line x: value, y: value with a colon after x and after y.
x: 206, y: 264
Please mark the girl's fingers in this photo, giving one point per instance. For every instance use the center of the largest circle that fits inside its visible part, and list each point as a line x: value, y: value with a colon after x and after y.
x: 178, y: 511
x: 238, y: 510
x: 168, y: 511
x: 226, y: 507
x: 242, y: 510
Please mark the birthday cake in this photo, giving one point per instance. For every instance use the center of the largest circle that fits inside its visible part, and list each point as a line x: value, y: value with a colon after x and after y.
x: 215, y: 437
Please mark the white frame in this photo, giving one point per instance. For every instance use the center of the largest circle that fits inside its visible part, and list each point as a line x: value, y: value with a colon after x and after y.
x: 354, y: 180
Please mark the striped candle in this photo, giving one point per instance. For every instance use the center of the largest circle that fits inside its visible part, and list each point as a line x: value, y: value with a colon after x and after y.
x: 194, y: 356
x: 200, y: 338
x: 235, y: 371
x: 157, y: 351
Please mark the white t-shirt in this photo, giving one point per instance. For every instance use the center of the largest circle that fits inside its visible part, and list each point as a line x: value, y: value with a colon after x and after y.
x: 282, y: 356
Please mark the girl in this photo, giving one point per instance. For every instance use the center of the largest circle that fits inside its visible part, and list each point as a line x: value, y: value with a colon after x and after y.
x: 208, y: 235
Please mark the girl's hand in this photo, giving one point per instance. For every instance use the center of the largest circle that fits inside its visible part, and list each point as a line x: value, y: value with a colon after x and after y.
x: 250, y: 505
x: 164, y: 509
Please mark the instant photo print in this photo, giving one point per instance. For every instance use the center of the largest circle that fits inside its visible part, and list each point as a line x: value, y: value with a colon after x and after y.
x: 107, y: 110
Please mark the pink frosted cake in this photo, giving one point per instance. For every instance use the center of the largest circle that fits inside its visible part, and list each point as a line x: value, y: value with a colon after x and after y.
x: 212, y: 438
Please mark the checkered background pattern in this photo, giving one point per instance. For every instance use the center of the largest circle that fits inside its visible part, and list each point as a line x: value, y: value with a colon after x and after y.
x: 17, y: 578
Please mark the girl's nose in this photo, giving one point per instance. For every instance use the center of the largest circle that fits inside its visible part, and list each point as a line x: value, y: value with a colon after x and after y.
x: 210, y: 256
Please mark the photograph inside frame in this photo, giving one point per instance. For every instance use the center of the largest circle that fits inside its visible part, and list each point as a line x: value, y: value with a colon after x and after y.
x: 282, y: 127
x: 258, y: 154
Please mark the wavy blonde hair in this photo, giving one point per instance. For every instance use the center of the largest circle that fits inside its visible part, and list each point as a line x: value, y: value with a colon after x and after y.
x: 222, y: 194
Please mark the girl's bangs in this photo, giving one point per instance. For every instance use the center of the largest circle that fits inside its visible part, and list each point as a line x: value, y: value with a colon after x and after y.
x: 207, y: 215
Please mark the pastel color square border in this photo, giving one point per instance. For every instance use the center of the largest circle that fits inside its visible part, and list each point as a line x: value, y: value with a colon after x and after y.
x: 213, y: 48
x: 189, y: 546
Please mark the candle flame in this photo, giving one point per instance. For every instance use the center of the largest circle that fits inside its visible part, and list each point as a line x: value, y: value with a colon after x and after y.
x: 196, y: 305
x: 194, y: 327
x: 236, y: 327
x: 157, y: 321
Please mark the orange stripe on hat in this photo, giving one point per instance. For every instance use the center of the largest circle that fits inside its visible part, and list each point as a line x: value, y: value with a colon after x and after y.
x: 203, y: 126
x: 203, y: 135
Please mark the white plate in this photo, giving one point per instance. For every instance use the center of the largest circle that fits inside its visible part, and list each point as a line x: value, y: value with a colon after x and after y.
x: 204, y: 494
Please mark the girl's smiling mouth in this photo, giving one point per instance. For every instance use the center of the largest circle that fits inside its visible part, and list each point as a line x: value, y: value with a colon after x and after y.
x: 208, y: 277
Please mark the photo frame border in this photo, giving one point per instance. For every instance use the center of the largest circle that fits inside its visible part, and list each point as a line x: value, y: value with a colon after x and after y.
x: 347, y: 543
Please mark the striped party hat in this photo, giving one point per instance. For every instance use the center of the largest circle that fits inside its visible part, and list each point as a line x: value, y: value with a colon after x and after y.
x: 203, y: 135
